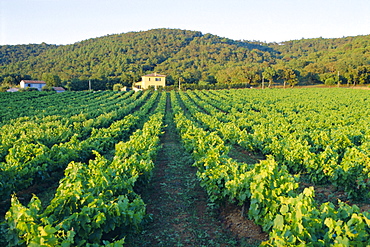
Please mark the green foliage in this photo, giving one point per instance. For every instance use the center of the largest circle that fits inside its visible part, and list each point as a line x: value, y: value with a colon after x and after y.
x: 117, y: 87
x: 330, y: 81
x: 4, y: 87
x: 13, y: 79
x: 47, y: 88
x: 51, y: 80
x: 31, y: 150
x: 322, y: 134
x: 279, y: 123
x: 95, y: 203
x: 15, y: 53
x: 28, y: 89
x: 188, y: 56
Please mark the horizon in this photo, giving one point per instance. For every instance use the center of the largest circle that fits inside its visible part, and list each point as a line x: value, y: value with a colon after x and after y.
x: 63, y: 22
x: 203, y: 33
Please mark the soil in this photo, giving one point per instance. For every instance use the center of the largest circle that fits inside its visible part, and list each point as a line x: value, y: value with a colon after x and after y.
x: 44, y: 190
x: 239, y: 225
x: 329, y: 193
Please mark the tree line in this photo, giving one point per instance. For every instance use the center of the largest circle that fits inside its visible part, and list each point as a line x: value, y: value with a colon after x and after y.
x: 189, y: 58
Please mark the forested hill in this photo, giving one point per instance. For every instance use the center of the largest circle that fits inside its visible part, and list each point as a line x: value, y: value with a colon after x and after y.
x: 188, y: 56
x: 15, y: 53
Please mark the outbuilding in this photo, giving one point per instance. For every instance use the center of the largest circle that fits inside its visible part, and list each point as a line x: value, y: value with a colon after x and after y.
x: 13, y: 89
x: 59, y: 89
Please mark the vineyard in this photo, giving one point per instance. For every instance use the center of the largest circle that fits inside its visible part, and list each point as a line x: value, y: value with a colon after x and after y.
x: 74, y: 167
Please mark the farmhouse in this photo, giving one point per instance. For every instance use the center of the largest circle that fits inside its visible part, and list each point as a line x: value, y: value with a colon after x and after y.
x: 152, y: 80
x: 32, y: 84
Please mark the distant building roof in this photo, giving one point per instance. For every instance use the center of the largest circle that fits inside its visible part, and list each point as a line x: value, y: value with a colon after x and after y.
x: 59, y: 89
x: 33, y: 82
x: 13, y: 89
x: 154, y: 74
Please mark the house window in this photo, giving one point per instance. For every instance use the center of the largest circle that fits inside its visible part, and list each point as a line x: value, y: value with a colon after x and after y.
x: 157, y: 79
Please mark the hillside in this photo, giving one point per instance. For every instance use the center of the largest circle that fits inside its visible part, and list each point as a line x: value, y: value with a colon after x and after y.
x: 16, y: 53
x: 191, y: 57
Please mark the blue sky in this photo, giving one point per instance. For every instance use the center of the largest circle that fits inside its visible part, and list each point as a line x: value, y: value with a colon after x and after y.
x: 70, y: 21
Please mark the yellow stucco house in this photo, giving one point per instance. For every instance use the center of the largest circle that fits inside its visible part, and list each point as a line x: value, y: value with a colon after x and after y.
x: 152, y: 80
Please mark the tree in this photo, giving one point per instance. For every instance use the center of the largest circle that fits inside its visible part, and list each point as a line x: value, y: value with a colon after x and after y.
x: 330, y: 81
x: 311, y: 77
x: 290, y: 77
x: 117, y: 87
x: 77, y: 85
x: 257, y: 78
x: 9, y: 80
x: 211, y: 79
x: 124, y: 58
x: 223, y: 76
x: 4, y: 87
x: 364, y: 74
x: 250, y: 76
x: 46, y: 88
x: 269, y: 73
x: 352, y: 76
x: 51, y: 80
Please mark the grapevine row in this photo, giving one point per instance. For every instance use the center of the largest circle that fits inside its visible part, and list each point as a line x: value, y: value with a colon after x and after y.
x: 292, y: 218
x: 341, y: 161
x: 94, y: 200
x: 27, y: 163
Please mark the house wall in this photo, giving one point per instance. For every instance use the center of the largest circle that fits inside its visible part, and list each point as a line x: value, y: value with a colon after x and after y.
x: 38, y: 85
x: 154, y: 81
x: 138, y: 85
x: 33, y: 85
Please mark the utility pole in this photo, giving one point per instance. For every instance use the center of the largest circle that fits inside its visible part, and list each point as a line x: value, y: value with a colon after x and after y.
x: 338, y: 79
x: 263, y: 82
x: 89, y: 85
x: 179, y: 84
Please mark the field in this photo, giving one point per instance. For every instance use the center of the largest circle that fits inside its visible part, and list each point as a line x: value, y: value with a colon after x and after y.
x: 274, y: 167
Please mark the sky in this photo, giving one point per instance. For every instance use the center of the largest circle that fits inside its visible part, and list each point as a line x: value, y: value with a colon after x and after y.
x: 69, y: 21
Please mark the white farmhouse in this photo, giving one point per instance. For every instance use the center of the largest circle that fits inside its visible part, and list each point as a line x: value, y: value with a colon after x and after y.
x: 33, y: 84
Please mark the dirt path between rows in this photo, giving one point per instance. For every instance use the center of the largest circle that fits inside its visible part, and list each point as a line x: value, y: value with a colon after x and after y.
x: 180, y: 212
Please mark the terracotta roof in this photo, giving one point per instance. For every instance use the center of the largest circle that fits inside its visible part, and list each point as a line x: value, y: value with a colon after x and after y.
x: 59, y: 89
x: 34, y: 82
x: 155, y: 74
